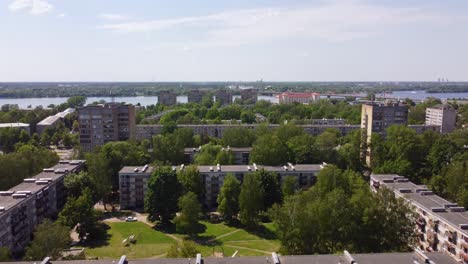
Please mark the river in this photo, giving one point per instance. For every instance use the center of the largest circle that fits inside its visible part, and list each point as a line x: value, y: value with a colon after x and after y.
x: 149, y: 100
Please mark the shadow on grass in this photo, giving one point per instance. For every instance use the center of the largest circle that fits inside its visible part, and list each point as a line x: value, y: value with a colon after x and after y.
x: 262, y: 232
x: 99, y: 236
x: 168, y: 228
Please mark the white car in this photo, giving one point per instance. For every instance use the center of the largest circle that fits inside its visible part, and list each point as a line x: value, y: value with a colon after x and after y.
x: 131, y: 219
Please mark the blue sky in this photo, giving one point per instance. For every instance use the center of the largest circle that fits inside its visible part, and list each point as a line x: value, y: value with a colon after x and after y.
x: 242, y: 40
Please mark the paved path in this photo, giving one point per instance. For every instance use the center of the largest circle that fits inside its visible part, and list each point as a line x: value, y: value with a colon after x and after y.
x: 227, y: 234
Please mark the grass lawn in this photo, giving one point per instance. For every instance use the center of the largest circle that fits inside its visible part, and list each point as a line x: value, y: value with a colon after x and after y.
x: 149, y: 243
x: 216, y: 238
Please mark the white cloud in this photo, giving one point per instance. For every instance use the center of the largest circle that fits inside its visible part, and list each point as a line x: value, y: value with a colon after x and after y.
x: 332, y: 21
x: 34, y: 7
x: 61, y: 15
x: 113, y: 17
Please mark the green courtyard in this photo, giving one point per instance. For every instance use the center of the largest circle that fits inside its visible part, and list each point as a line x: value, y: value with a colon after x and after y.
x: 216, y: 240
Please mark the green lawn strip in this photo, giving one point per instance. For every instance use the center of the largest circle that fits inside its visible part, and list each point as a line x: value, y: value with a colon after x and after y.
x: 144, y: 233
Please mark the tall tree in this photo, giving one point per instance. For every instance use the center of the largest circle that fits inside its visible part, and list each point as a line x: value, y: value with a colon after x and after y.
x: 251, y: 200
x: 79, y: 211
x: 269, y: 150
x: 228, y: 198
x: 190, y: 209
x: 192, y: 181
x: 163, y: 194
x: 50, y: 239
x: 288, y: 187
x: 271, y: 188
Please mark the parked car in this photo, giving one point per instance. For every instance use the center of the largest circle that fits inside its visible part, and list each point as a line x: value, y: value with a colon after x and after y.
x: 131, y: 219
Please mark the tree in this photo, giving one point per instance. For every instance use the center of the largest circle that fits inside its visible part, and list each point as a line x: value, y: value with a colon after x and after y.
x: 5, y: 254
x: 325, y: 144
x: 79, y: 212
x: 247, y: 117
x: 238, y: 137
x: 302, y: 150
x: 50, y: 239
x: 191, y: 181
x: 76, y: 101
x: 288, y: 187
x: 228, y: 198
x: 190, y: 209
x: 100, y: 173
x: 225, y: 157
x: 186, y: 249
x: 269, y: 150
x: 75, y: 184
x: 270, y: 186
x: 251, y: 200
x: 76, y: 126
x: 162, y: 196
x: 288, y: 131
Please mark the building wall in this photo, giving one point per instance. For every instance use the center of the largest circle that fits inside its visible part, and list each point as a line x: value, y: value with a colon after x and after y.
x: 223, y: 96
x: 443, y: 116
x: 249, y: 95
x: 167, y: 98
x: 195, y: 96
x: 100, y: 124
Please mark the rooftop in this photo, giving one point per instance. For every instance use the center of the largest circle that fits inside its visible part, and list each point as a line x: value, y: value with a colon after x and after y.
x: 35, y: 184
x: 50, y: 120
x: 247, y: 149
x: 136, y: 169
x: 253, y: 167
x: 446, y: 211
x: 13, y: 125
x: 371, y: 258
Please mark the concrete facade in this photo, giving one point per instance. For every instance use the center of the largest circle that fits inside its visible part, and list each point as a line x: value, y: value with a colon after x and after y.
x: 301, y: 98
x: 195, y: 96
x: 167, y: 98
x: 133, y: 184
x: 26, y: 205
x: 442, y: 226
x: 223, y: 96
x: 100, y: 124
x: 21, y: 126
x: 443, y: 116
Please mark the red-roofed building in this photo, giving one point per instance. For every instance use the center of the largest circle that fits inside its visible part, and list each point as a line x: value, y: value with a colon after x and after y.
x: 302, y: 98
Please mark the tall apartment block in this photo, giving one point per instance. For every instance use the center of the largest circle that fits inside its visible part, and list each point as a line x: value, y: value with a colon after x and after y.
x: 26, y: 205
x: 195, y: 96
x: 223, y: 96
x: 442, y: 226
x: 249, y: 95
x: 104, y: 123
x: 167, y: 98
x: 376, y: 118
x: 443, y: 116
x: 133, y: 180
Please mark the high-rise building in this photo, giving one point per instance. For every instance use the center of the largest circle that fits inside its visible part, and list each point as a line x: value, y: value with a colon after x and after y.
x: 195, y: 96
x: 443, y: 116
x: 223, y: 96
x: 249, y: 95
x: 103, y: 123
x: 376, y: 118
x: 167, y: 98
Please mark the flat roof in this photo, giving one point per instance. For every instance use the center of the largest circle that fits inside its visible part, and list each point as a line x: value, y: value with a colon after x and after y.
x: 233, y: 149
x: 8, y: 202
x: 14, y: 125
x: 50, y: 120
x: 371, y: 258
x: 245, y: 168
x: 426, y: 202
x: 133, y: 169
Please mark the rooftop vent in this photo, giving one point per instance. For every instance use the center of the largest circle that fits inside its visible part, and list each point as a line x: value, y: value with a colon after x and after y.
x: 255, y: 167
x: 464, y: 226
x: 46, y: 260
x: 402, y: 180
x: 136, y: 170
x: 405, y: 190
x: 285, y: 168
x: 275, y: 258
x: 388, y: 180
x: 123, y: 260
x: 45, y: 179
x: 182, y: 167
x: 349, y: 258
x: 64, y: 162
x: 457, y: 209
x: 425, y: 193
x: 418, y: 190
x: 6, y: 193
x: 211, y: 168
x: 39, y: 182
x: 2, y: 209
x: 48, y: 170
x: 146, y: 167
x: 199, y: 259
x: 218, y: 167
x: 19, y: 195
x: 248, y: 168
x: 76, y: 162
x: 25, y: 192
x: 438, y: 209
x: 449, y: 205
x: 29, y: 180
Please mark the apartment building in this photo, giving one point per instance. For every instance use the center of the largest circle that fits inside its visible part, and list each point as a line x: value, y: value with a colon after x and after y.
x: 133, y: 180
x: 167, y: 98
x: 20, y: 126
x: 223, y: 96
x: 26, y: 205
x: 195, y: 96
x: 249, y: 95
x: 301, y: 98
x: 376, y: 118
x: 50, y: 121
x: 416, y: 257
x: 217, y: 130
x: 103, y: 123
x: 328, y: 121
x: 241, y: 155
x: 443, y: 116
x: 442, y: 226
x: 133, y: 183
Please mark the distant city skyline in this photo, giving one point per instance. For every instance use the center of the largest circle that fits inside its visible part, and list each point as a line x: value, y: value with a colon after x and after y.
x: 282, y: 40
